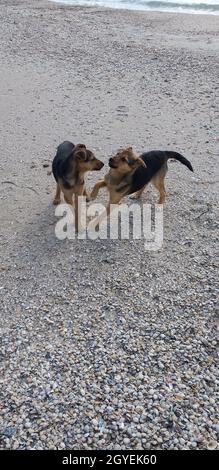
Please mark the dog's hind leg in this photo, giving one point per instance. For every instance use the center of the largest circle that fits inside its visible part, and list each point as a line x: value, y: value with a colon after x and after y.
x: 138, y: 194
x: 57, y: 198
x: 158, y: 182
x: 68, y: 195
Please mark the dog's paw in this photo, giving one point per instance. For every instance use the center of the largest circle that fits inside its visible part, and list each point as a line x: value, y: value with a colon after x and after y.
x: 135, y: 197
x: 56, y: 202
x: 91, y: 197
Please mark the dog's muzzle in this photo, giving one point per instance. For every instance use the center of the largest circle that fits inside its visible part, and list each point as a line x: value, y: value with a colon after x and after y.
x: 99, y: 165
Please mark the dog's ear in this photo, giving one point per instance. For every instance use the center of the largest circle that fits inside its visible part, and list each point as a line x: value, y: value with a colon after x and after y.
x: 140, y: 162
x: 80, y: 152
x: 129, y: 151
x: 130, y: 160
x: 80, y: 146
x: 132, y: 157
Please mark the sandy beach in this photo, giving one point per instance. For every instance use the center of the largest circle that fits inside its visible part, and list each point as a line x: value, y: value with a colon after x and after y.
x: 106, y: 345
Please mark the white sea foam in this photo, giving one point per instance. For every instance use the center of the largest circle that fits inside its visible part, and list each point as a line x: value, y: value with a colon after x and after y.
x: 183, y: 6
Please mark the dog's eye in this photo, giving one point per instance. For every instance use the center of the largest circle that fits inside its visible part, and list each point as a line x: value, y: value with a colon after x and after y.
x: 90, y: 157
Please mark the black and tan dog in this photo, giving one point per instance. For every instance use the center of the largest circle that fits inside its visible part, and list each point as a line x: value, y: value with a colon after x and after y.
x: 69, y: 167
x: 130, y: 173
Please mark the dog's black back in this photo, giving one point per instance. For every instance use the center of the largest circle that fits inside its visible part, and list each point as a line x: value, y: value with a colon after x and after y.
x: 154, y: 161
x: 61, y: 162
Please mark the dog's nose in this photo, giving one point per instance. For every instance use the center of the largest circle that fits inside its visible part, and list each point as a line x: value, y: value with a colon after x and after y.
x: 110, y: 160
x: 99, y: 165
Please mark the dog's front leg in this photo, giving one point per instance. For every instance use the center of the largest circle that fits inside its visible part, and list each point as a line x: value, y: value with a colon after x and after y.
x: 85, y: 194
x: 96, y: 188
x: 114, y: 199
x: 79, y: 191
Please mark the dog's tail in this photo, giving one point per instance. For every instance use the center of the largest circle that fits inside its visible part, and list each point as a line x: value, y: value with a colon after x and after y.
x: 180, y: 159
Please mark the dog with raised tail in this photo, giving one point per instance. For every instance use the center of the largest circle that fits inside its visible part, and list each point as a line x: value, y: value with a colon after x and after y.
x: 130, y: 174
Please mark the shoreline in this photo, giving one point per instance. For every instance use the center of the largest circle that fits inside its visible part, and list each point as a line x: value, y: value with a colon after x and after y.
x: 50, y: 4
x: 135, y: 9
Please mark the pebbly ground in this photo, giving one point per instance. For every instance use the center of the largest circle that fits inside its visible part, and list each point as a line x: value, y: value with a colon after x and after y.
x: 106, y: 345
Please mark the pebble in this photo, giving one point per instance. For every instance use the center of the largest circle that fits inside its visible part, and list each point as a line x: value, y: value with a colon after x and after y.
x: 126, y: 441
x: 9, y: 432
x: 194, y: 444
x: 212, y: 445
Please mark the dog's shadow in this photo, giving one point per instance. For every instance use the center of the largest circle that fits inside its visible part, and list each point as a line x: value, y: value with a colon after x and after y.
x: 41, y: 244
